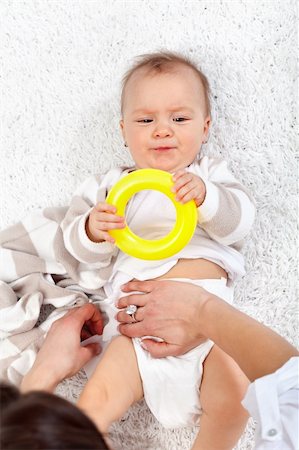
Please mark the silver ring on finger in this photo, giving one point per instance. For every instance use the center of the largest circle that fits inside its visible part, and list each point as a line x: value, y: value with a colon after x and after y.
x: 131, y: 310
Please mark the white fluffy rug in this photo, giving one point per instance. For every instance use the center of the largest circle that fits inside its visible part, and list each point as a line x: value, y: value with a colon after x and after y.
x: 62, y: 62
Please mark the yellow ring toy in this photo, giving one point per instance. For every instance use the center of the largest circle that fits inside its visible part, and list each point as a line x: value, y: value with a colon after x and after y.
x: 170, y: 244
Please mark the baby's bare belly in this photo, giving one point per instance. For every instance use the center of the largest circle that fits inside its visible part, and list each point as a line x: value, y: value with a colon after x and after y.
x: 195, y: 269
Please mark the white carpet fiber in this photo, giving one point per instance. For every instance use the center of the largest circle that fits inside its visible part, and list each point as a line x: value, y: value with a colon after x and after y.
x: 62, y: 63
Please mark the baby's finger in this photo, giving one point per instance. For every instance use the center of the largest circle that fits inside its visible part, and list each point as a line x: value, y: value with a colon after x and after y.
x: 104, y: 236
x: 106, y: 226
x: 182, y: 181
x: 190, y: 195
x: 178, y: 174
x: 103, y: 206
x: 105, y: 217
x: 195, y: 194
x: 185, y: 190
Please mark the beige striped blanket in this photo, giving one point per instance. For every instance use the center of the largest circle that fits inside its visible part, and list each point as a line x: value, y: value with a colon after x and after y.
x: 40, y: 281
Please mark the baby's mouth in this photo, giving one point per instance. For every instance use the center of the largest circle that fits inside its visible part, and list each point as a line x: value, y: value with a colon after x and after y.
x: 163, y: 149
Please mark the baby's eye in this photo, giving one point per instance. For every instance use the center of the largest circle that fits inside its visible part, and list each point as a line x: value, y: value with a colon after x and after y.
x: 144, y: 120
x: 180, y: 119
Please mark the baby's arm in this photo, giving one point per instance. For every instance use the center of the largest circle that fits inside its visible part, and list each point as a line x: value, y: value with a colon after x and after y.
x: 83, y: 242
x: 226, y: 211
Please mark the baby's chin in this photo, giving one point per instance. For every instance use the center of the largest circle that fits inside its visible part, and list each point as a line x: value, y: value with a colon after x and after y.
x: 166, y: 167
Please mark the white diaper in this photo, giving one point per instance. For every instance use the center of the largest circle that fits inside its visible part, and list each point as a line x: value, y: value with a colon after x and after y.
x: 171, y: 385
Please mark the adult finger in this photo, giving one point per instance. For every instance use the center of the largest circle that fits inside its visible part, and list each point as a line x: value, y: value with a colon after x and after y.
x: 132, y: 330
x: 140, y: 286
x: 85, y: 333
x: 160, y: 349
x: 123, y: 317
x: 96, y: 322
x: 85, y: 313
x: 94, y: 327
x: 132, y: 299
x: 89, y: 351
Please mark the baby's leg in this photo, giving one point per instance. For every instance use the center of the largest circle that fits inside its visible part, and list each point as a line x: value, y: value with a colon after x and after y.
x: 223, y: 387
x: 114, y: 386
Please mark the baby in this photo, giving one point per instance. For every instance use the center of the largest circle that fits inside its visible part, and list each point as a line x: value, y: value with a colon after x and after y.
x: 165, y: 119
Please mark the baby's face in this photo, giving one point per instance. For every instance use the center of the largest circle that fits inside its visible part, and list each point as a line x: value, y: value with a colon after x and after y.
x: 164, y: 121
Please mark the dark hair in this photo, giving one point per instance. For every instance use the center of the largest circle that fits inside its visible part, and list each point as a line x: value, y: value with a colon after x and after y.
x: 163, y: 62
x: 39, y: 420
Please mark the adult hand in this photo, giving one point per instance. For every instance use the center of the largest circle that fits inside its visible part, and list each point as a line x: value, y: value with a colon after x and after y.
x: 184, y: 314
x: 61, y: 354
x: 166, y: 309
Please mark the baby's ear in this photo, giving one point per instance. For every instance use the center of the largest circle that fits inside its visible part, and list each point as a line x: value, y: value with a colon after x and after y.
x: 121, y: 124
x: 207, y: 124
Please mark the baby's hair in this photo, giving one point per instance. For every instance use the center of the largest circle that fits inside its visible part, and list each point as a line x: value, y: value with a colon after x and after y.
x: 163, y: 62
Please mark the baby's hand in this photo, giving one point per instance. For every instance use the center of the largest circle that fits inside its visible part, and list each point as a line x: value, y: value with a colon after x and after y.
x: 101, y: 219
x: 188, y: 186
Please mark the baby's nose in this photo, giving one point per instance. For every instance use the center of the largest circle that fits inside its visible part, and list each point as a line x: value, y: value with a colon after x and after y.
x: 162, y: 131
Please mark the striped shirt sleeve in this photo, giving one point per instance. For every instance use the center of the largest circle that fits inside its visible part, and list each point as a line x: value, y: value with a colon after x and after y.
x: 228, y: 211
x: 92, y: 191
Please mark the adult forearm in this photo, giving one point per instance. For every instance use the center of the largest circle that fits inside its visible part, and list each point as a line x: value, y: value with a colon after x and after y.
x: 39, y: 380
x: 257, y: 349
